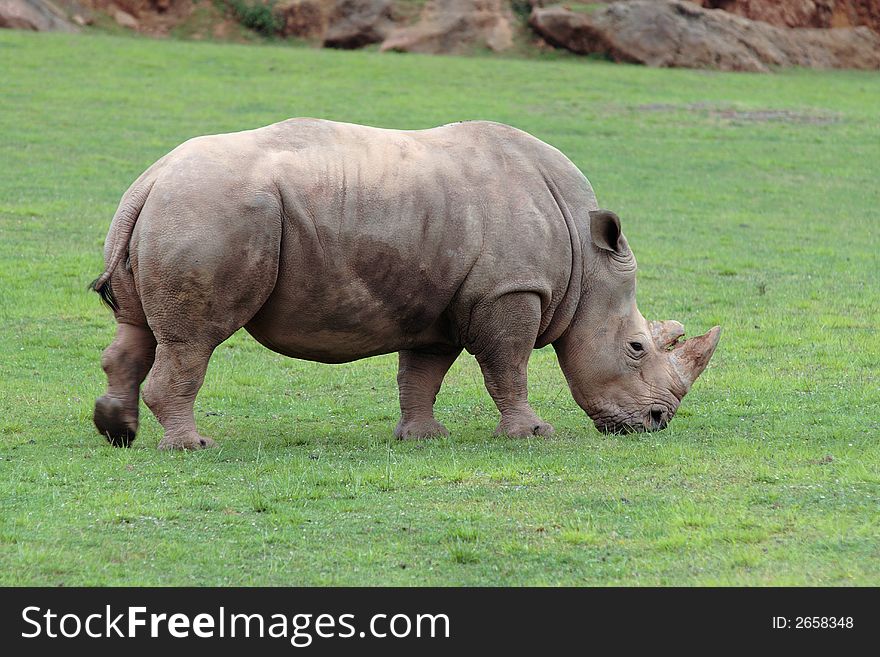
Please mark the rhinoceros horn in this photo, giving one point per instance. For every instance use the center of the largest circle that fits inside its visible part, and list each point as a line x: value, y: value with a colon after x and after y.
x: 666, y: 333
x: 690, y: 357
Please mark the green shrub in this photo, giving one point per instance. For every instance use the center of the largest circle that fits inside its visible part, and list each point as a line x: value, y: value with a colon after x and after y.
x: 258, y: 17
x: 522, y: 9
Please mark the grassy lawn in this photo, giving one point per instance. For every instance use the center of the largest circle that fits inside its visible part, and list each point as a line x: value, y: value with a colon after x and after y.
x: 751, y: 201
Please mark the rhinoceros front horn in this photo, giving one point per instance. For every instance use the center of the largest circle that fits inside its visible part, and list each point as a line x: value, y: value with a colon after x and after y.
x: 690, y: 358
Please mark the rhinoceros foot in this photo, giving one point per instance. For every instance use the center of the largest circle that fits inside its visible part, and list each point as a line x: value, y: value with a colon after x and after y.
x: 189, y: 441
x: 110, y: 419
x: 520, y: 426
x: 419, y: 429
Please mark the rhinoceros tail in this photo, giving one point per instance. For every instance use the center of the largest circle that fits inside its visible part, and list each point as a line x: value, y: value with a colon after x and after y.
x: 120, y: 234
x: 105, y: 292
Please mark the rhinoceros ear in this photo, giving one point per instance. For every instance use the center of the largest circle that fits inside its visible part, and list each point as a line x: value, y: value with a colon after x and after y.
x: 605, y: 229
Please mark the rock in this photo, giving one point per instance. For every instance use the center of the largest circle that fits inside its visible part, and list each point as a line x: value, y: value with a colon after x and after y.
x: 37, y: 15
x: 306, y: 19
x: 674, y: 33
x: 803, y: 13
x: 154, y: 17
x: 784, y: 13
x: 456, y: 26
x: 857, y: 12
x: 357, y: 23
x: 125, y: 19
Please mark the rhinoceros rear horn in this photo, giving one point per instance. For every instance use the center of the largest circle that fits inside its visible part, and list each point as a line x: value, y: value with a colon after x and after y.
x: 666, y: 333
x: 690, y: 358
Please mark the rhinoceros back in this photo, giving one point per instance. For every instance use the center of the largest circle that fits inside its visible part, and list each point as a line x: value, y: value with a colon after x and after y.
x: 390, y: 237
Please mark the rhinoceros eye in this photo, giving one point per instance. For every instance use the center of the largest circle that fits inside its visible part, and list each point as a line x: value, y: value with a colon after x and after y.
x: 636, y: 346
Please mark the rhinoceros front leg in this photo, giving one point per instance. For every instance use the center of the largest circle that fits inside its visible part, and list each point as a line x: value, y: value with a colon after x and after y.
x: 419, y: 376
x: 502, y: 337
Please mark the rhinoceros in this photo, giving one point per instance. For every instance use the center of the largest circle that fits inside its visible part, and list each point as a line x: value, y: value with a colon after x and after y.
x: 333, y: 242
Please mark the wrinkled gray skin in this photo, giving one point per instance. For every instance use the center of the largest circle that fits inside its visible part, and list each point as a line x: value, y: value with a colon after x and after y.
x: 333, y: 242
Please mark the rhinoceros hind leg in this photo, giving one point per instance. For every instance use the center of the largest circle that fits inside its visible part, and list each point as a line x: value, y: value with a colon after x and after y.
x: 185, y: 344
x: 175, y: 380
x: 204, y: 271
x: 502, y: 336
x: 419, y: 376
x: 126, y: 363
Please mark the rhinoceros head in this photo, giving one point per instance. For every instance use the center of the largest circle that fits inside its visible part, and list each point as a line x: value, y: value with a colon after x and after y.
x: 628, y: 374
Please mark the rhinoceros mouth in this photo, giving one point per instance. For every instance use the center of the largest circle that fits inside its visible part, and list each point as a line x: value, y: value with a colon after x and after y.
x: 620, y: 429
x: 655, y: 417
x: 626, y: 428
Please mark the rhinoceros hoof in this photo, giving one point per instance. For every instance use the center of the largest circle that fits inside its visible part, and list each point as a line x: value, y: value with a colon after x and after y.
x: 419, y: 429
x: 189, y: 441
x: 522, y: 428
x: 110, y: 421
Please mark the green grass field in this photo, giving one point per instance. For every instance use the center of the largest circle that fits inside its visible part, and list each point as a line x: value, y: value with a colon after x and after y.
x: 751, y: 201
